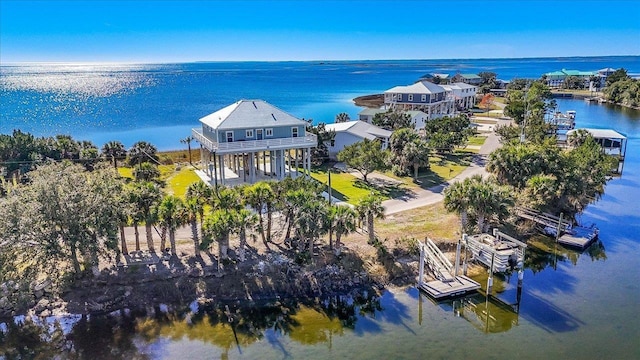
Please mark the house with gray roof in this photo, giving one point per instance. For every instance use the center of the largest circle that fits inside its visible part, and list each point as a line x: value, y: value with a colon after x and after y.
x: 425, y: 96
x: 471, y: 79
x: 252, y: 138
x: 464, y: 95
x: 350, y: 132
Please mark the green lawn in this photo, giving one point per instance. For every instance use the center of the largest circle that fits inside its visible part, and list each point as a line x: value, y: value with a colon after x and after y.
x: 178, y: 183
x: 165, y: 171
x: 441, y: 169
x: 476, y: 140
x: 345, y: 186
x: 484, y: 121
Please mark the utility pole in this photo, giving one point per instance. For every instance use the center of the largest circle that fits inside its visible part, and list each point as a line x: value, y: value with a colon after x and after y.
x: 329, y: 185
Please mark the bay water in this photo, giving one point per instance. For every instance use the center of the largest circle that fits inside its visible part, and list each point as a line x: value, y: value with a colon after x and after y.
x: 577, y: 305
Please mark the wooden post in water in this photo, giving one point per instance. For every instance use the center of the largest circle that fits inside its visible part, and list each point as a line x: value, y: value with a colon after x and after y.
x: 466, y: 253
x: 559, y: 226
x: 419, y: 307
x: 421, y: 271
x: 458, y: 257
x: 490, y: 279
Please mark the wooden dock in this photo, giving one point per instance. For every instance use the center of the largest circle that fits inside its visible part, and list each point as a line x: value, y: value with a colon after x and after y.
x: 444, y: 289
x: 547, y: 220
x: 566, y: 233
x: 579, y: 237
x: 447, y: 282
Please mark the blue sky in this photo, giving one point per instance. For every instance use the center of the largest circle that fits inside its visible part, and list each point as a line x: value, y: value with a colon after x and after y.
x: 180, y: 31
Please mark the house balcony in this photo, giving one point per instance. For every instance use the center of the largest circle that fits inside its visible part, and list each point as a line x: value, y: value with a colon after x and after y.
x: 309, y: 140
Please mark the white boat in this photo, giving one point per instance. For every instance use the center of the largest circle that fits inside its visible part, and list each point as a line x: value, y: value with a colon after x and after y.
x: 483, y: 246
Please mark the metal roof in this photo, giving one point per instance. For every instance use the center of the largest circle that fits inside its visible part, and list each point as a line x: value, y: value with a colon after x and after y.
x: 360, y: 129
x: 459, y: 86
x: 371, y: 111
x: 249, y: 114
x: 420, y: 87
x: 601, y: 133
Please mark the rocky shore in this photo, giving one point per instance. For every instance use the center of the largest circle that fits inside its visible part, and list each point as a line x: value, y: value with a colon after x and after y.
x: 176, y: 283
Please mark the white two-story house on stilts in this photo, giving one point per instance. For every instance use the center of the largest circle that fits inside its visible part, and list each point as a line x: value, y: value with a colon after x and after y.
x: 254, y: 140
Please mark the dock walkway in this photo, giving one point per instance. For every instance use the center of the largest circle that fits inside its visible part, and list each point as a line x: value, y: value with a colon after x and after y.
x: 446, y: 283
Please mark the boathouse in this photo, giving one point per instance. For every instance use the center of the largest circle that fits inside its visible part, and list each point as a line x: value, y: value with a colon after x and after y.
x: 612, y: 142
x: 251, y: 140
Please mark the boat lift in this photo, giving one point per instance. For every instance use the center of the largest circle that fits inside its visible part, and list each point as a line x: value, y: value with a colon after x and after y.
x: 499, y: 252
x: 448, y: 282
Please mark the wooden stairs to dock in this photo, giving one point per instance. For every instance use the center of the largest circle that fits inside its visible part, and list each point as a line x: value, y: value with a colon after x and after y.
x: 446, y: 283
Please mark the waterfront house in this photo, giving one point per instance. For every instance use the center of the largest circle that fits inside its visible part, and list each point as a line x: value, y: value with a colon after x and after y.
x: 418, y: 118
x: 253, y: 139
x: 432, y: 99
x: 436, y: 78
x: 471, y: 79
x: 350, y: 132
x: 556, y: 79
x: 368, y: 114
x: 464, y: 95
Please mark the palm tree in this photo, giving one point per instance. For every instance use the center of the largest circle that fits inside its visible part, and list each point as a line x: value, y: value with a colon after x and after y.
x: 202, y: 193
x: 142, y: 151
x: 135, y: 212
x: 416, y: 153
x: 261, y: 198
x: 188, y: 141
x: 456, y: 199
x: 217, y: 226
x: 226, y: 198
x: 311, y: 221
x: 342, y: 117
x: 68, y: 148
x: 172, y: 215
x: 343, y: 220
x: 193, y: 208
x: 485, y: 199
x: 244, y: 219
x: 577, y: 137
x: 369, y: 208
x: 488, y: 201
x: 147, y: 196
x: 146, y: 171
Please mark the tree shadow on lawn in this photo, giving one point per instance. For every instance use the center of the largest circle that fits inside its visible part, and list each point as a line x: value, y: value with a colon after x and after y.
x: 384, y: 188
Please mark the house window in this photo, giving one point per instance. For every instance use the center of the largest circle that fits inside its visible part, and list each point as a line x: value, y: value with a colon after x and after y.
x: 248, y: 134
x: 229, y: 136
x: 294, y: 132
x: 410, y: 97
x: 424, y: 98
x: 399, y: 97
x: 268, y: 132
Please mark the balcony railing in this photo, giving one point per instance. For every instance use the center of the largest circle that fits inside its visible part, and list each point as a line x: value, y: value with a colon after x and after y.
x: 307, y: 141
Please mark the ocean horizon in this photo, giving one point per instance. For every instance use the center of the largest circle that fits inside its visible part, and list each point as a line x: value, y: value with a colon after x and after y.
x: 161, y: 102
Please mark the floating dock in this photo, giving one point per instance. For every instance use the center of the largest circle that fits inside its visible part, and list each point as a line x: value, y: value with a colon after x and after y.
x: 446, y: 283
x: 566, y: 233
x: 579, y: 237
x: 461, y: 285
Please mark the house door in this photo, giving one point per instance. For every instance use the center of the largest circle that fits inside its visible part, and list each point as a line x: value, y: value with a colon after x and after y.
x: 229, y: 136
x: 258, y: 134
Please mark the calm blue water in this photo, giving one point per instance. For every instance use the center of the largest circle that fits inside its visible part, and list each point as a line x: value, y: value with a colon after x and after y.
x: 160, y: 103
x: 573, y: 305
